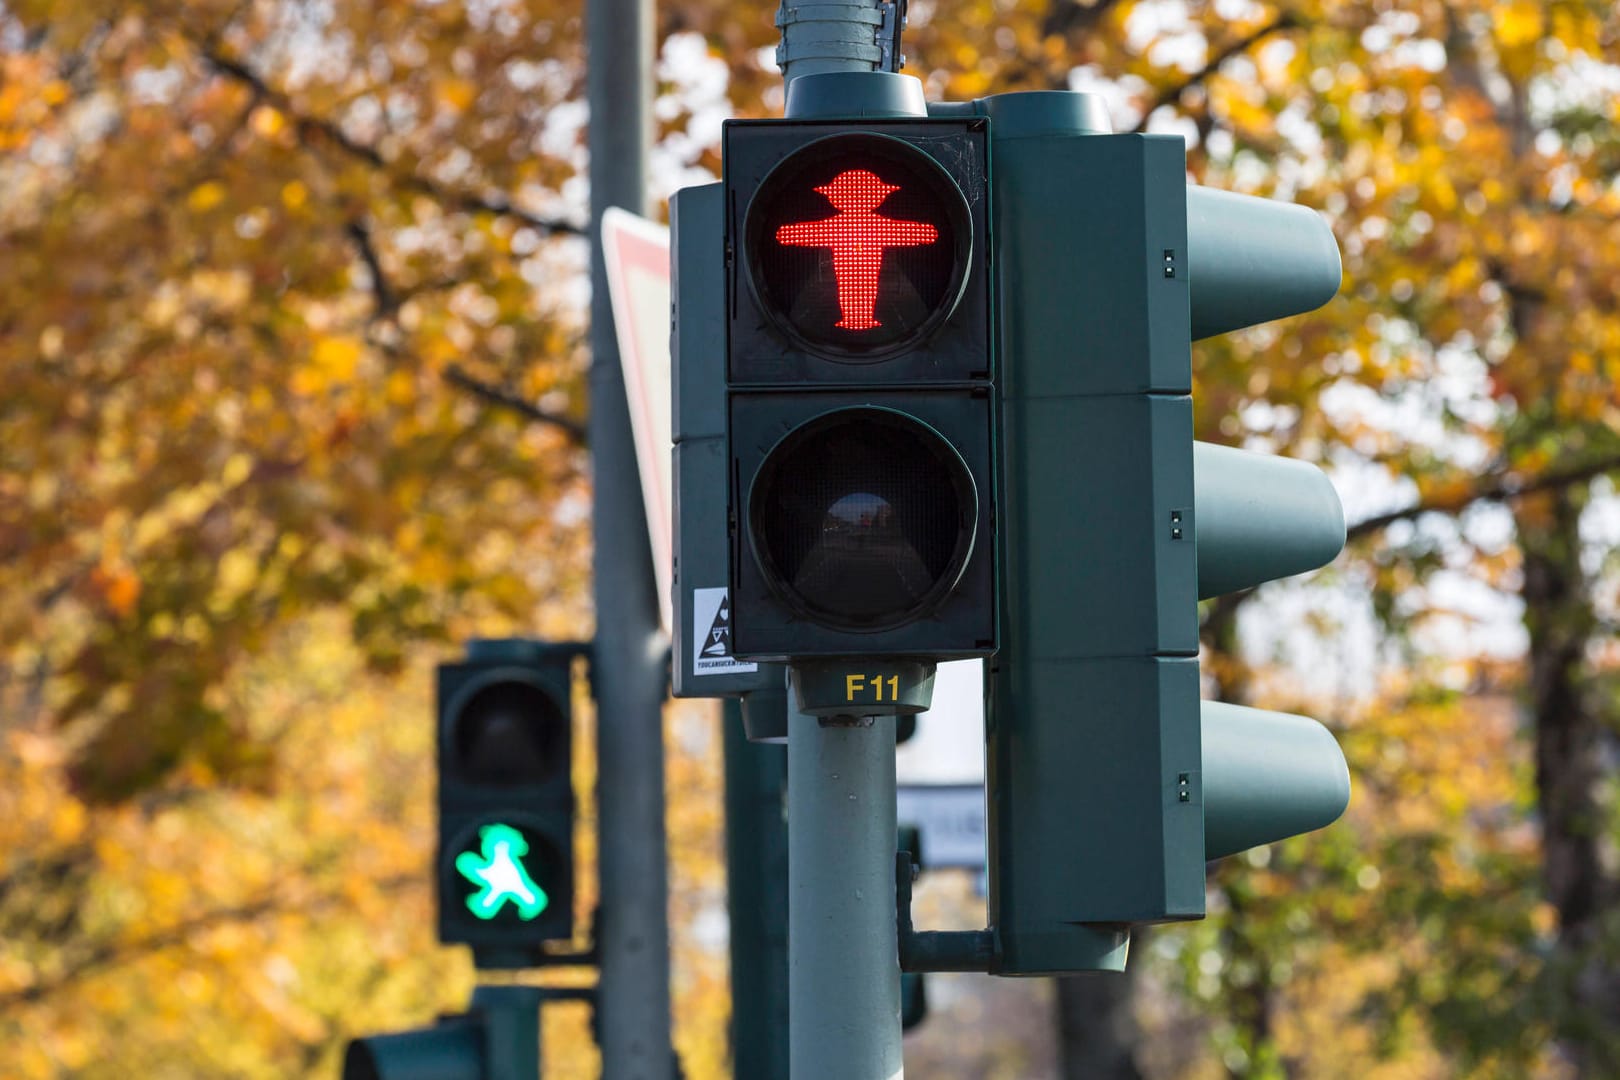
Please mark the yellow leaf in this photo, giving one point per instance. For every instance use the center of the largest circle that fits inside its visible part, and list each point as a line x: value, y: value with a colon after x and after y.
x: 237, y: 569
x: 68, y: 822
x: 238, y: 467
x: 401, y: 388
x: 294, y: 195
x: 458, y: 94
x: 337, y: 358
x: 268, y: 122
x: 1518, y: 23
x: 204, y: 197
x: 1440, y: 189
x: 119, y: 587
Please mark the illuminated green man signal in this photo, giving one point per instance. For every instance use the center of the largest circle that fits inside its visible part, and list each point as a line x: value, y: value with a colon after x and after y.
x: 500, y: 874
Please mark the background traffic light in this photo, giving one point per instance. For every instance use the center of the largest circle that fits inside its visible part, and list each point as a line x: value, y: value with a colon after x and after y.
x: 498, y: 1038
x: 1109, y: 782
x: 859, y: 394
x: 505, y: 866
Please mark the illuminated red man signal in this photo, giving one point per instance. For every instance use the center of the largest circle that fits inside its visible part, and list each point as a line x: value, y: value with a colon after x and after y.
x: 858, y: 236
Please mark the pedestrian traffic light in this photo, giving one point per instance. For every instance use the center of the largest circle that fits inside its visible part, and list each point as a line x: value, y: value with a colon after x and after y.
x: 859, y: 391
x: 506, y: 799
x: 1108, y: 785
x: 497, y: 1039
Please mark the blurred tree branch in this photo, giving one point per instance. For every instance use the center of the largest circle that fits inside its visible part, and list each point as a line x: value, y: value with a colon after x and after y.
x: 1500, y: 488
x: 1171, y: 94
x: 387, y: 301
x: 312, y: 128
x: 456, y: 375
x: 112, y: 953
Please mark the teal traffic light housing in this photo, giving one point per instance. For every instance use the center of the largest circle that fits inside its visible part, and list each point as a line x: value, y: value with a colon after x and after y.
x: 498, y: 1038
x: 833, y: 449
x: 1109, y: 783
x: 859, y: 395
x: 702, y: 663
x: 505, y: 865
x: 913, y: 984
x: 504, y: 869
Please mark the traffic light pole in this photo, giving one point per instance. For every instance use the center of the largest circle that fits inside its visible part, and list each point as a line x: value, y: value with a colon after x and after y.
x: 843, y: 961
x: 629, y: 663
x: 843, y: 968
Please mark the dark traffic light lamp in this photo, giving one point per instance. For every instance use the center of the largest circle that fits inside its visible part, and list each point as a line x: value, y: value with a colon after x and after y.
x: 860, y: 396
x: 862, y: 523
x: 506, y: 799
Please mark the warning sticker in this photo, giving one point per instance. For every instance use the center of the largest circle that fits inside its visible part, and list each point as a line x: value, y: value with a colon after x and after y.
x: 711, y: 634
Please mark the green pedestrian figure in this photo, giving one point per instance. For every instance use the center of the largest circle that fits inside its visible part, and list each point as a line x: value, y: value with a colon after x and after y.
x: 501, y: 874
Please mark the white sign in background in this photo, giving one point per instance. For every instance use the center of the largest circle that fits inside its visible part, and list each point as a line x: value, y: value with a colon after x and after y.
x: 941, y: 770
x: 950, y: 818
x: 636, y: 254
x: 949, y: 745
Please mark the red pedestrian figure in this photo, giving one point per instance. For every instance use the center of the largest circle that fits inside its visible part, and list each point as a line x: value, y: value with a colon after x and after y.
x: 858, y: 236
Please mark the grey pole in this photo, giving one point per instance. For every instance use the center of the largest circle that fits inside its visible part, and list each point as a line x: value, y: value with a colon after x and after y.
x: 843, y: 965
x: 837, y: 35
x: 843, y: 962
x: 756, y: 894
x: 629, y: 660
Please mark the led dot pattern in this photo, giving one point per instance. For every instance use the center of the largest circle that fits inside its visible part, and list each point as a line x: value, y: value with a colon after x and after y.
x: 857, y: 237
x: 858, y: 246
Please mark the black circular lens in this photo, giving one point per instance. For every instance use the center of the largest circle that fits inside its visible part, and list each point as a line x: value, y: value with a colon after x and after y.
x: 858, y: 245
x: 509, y: 732
x: 863, y: 519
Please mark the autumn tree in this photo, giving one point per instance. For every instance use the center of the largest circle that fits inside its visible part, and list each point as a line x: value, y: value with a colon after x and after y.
x: 290, y: 342
x: 290, y: 338
x: 1465, y: 157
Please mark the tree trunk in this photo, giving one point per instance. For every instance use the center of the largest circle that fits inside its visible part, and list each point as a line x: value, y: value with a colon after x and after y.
x: 1249, y: 1008
x: 1569, y: 740
x: 1097, y: 1032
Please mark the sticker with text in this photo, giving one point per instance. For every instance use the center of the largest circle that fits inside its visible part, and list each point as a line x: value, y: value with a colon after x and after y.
x: 711, y: 634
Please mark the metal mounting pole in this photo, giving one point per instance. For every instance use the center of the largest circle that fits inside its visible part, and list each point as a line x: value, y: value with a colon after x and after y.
x: 510, y: 1024
x: 630, y: 650
x: 839, y: 35
x: 843, y: 964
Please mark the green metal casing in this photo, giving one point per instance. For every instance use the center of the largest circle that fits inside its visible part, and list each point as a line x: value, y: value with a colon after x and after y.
x: 775, y: 385
x: 913, y: 987
x: 1095, y: 804
x: 1109, y: 782
x: 497, y: 1039
x: 698, y: 399
x: 535, y: 679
